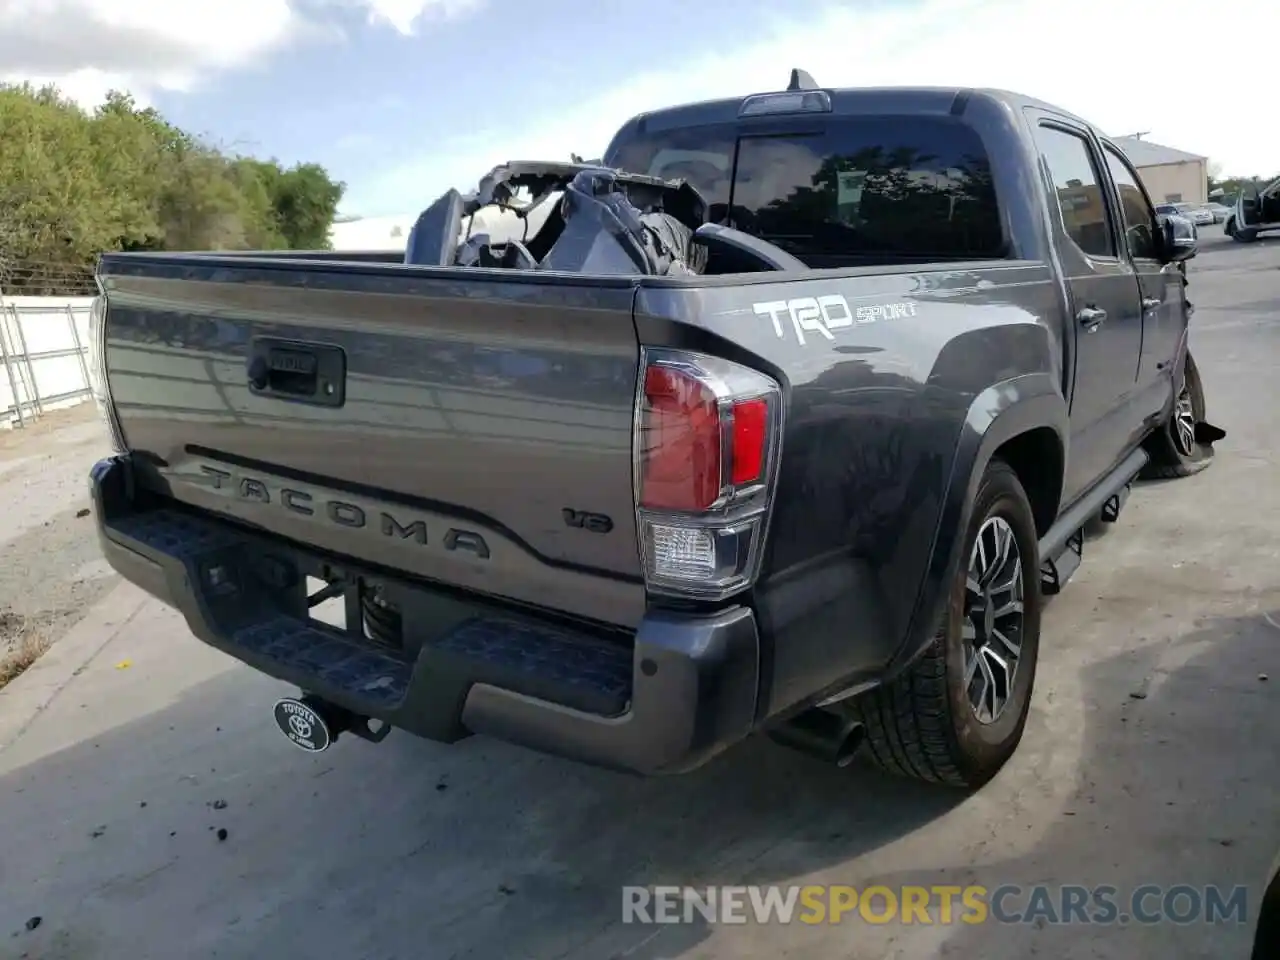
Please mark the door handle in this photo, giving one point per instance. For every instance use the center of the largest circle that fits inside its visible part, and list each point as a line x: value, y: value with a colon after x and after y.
x: 1150, y: 303
x: 1090, y: 317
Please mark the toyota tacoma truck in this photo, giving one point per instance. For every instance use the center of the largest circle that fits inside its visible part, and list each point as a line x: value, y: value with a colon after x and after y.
x: 782, y: 419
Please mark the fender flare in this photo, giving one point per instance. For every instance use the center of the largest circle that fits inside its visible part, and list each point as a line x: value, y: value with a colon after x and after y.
x: 998, y: 414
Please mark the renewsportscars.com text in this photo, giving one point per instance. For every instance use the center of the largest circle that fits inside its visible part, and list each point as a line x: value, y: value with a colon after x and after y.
x: 938, y: 904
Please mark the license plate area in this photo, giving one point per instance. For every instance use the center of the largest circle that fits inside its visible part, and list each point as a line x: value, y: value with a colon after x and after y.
x: 355, y: 605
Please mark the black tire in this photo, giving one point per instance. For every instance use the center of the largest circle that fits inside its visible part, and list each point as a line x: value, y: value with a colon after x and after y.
x: 923, y: 724
x: 1244, y: 236
x: 1229, y: 228
x: 1173, y: 453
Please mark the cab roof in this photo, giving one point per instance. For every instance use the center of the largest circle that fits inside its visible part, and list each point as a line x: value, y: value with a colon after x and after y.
x: 845, y: 101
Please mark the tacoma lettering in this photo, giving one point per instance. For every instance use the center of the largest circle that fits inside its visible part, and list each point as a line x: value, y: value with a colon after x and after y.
x: 391, y: 527
x: 343, y: 513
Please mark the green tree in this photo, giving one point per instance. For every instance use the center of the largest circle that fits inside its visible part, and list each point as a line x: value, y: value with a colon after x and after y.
x: 74, y: 184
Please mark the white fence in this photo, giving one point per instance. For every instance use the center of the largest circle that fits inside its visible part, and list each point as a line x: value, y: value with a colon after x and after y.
x: 43, y: 355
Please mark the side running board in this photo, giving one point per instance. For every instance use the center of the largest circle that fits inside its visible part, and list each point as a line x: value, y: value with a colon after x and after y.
x: 1062, y: 547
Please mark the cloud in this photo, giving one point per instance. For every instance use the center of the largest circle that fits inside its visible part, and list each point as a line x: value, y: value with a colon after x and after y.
x: 1097, y: 58
x: 404, y: 15
x: 87, y: 47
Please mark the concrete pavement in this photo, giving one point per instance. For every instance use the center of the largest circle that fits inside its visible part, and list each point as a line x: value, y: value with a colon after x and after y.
x: 1149, y: 758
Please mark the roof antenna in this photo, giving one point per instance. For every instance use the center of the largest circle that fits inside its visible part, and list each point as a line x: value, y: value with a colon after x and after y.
x: 801, y: 80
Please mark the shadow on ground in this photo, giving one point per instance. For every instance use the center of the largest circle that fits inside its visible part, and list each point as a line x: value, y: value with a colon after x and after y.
x: 408, y: 849
x: 1178, y: 786
x: 483, y: 850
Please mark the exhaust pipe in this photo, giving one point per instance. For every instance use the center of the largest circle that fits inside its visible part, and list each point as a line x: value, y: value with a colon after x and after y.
x: 823, y: 734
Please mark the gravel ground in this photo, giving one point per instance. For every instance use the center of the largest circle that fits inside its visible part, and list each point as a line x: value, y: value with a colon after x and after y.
x: 51, y: 570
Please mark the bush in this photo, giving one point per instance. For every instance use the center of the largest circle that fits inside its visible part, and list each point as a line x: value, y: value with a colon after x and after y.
x: 74, y: 184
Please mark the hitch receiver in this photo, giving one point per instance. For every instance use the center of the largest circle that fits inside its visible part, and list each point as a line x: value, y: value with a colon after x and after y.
x: 314, y: 724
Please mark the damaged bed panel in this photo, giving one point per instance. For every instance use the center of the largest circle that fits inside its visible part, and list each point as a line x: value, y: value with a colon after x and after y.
x: 573, y: 218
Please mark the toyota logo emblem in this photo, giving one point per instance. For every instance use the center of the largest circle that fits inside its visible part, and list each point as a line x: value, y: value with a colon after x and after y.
x: 300, y: 725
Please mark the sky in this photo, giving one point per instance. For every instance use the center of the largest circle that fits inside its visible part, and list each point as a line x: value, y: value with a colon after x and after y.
x: 401, y: 99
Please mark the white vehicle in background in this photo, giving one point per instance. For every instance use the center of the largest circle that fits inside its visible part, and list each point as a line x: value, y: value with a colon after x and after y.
x: 1197, y: 213
x: 1256, y: 213
x: 1219, y: 211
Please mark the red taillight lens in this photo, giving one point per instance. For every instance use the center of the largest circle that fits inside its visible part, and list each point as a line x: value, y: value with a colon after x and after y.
x: 707, y: 432
x: 680, y: 430
x: 750, y: 426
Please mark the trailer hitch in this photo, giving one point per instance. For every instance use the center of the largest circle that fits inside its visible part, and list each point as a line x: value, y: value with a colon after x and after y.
x: 314, y: 724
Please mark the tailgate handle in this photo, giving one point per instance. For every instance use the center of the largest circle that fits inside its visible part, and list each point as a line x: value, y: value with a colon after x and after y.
x: 312, y: 373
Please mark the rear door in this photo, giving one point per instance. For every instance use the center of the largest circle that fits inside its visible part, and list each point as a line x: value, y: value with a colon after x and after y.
x: 1269, y: 204
x: 1257, y: 209
x: 1105, y: 301
x: 1162, y: 287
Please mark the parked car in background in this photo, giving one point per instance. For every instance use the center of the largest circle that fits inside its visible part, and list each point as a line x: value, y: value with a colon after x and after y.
x: 1197, y: 213
x: 1220, y: 212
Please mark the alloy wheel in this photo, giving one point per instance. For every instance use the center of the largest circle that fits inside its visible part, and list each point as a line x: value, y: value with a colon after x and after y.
x: 1184, y: 422
x: 993, y: 620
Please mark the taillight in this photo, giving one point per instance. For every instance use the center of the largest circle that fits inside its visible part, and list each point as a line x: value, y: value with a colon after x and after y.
x: 706, y: 445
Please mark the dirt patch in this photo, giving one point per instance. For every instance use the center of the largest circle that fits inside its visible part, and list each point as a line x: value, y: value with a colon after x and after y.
x: 18, y: 441
x: 22, y: 641
x: 51, y: 567
x: 53, y: 573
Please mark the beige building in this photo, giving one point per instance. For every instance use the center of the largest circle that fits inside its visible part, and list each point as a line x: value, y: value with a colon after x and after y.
x: 1170, y: 176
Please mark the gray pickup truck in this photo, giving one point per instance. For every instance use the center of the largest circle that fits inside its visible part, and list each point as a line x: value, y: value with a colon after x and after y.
x: 783, y: 419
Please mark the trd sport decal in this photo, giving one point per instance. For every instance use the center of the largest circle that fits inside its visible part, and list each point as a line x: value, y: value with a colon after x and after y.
x: 823, y: 314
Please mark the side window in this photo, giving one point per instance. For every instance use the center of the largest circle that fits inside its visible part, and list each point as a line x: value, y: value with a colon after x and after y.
x: 1080, y: 197
x: 1139, y: 218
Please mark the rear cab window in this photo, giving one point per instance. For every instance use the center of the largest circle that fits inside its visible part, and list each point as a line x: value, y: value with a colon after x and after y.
x: 845, y: 190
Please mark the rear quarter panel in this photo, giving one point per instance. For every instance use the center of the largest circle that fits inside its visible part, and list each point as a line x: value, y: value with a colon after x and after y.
x: 889, y: 419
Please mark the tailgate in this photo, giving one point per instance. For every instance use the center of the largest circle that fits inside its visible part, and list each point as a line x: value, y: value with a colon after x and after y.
x: 471, y: 427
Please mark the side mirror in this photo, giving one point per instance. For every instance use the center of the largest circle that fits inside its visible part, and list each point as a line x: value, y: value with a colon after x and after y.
x: 1178, y: 238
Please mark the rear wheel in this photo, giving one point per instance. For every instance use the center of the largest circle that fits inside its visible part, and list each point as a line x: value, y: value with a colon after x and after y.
x: 1173, y: 449
x: 1241, y: 235
x: 957, y: 715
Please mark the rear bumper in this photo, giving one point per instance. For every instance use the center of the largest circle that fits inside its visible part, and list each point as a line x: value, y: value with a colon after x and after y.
x: 683, y: 692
